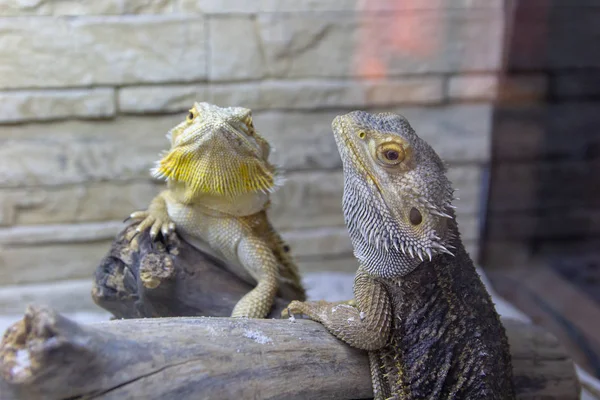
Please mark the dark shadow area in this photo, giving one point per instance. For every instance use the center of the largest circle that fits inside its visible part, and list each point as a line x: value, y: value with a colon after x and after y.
x: 543, y: 213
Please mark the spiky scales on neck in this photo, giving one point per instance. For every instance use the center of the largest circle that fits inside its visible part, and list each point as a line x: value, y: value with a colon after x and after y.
x: 217, y: 152
x: 397, y: 199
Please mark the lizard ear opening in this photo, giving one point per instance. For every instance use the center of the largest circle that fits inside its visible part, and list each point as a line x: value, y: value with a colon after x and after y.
x: 415, y: 216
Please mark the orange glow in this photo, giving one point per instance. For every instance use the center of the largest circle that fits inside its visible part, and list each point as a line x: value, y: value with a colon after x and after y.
x: 387, y: 36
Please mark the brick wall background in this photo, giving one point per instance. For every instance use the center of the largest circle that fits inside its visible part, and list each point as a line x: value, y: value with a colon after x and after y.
x: 89, y: 88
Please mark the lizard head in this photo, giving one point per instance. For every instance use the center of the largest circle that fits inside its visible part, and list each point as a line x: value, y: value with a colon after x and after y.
x: 217, y: 151
x: 397, y: 199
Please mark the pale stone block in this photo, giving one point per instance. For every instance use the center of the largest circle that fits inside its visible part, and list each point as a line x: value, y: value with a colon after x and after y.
x: 308, y: 199
x: 64, y: 297
x: 102, y: 201
x: 80, y: 151
x: 308, y: 45
x: 10, y: 8
x: 310, y: 94
x: 169, y: 98
x: 342, y: 263
x: 235, y: 50
x: 301, y: 140
x: 7, y: 212
x: 47, y: 234
x: 306, y: 94
x: 56, y: 104
x: 318, y: 94
x: 328, y: 285
x: 385, y: 92
x: 40, y: 263
x: 281, y: 94
x: 55, y: 52
x: 473, y: 87
x: 381, y: 45
x: 240, y: 94
x: 318, y: 242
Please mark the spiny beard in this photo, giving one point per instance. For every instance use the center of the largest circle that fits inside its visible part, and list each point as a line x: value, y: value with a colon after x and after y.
x: 378, y: 240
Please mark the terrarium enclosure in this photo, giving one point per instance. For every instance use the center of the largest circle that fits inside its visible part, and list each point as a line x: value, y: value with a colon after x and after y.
x: 506, y: 91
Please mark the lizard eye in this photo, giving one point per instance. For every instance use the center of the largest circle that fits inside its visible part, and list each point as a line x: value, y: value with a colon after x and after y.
x: 415, y: 216
x: 190, y: 116
x: 391, y: 154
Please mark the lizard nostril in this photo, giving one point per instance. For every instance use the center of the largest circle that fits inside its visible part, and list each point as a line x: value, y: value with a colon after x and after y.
x: 415, y: 216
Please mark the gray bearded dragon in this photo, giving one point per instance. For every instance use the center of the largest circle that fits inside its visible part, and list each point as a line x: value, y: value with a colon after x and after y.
x: 421, y: 309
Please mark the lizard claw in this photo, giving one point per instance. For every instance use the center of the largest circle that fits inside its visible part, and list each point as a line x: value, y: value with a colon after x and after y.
x: 131, y: 235
x: 295, y: 307
x: 155, y: 222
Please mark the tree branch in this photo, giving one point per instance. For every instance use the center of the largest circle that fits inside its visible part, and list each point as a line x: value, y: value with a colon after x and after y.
x: 47, y: 356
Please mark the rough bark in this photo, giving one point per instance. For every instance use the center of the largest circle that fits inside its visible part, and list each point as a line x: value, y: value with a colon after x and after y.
x: 167, y: 278
x: 46, y: 356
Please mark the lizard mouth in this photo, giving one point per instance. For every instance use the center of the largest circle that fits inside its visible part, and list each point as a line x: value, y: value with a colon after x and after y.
x: 349, y: 151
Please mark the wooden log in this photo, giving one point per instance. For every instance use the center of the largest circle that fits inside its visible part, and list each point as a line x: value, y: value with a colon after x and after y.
x: 47, y: 356
x: 168, y: 278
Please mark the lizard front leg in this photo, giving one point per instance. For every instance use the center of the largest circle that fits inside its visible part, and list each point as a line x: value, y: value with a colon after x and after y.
x: 365, y: 326
x: 258, y: 259
x: 155, y: 217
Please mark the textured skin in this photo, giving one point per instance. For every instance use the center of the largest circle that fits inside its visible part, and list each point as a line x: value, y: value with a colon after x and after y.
x: 421, y: 310
x: 218, y: 184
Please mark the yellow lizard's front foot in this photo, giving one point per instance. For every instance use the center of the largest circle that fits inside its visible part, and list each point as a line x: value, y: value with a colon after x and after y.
x: 158, y: 222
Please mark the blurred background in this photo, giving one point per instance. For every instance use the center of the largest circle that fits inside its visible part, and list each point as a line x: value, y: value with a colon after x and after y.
x: 507, y: 92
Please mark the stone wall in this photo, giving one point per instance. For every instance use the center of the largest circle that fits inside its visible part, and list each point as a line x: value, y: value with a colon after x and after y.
x: 89, y: 88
